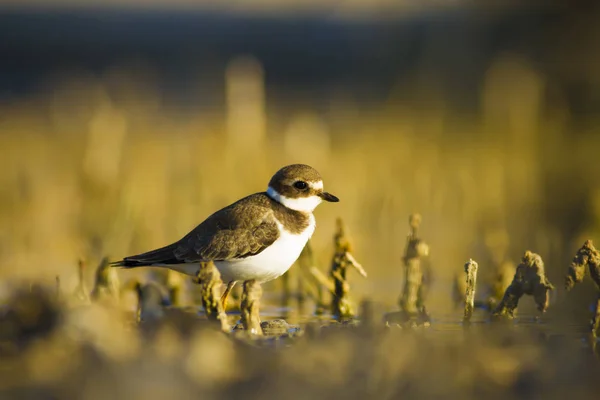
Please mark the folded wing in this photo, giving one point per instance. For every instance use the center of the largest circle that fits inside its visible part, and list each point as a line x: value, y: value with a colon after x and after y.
x: 219, y: 238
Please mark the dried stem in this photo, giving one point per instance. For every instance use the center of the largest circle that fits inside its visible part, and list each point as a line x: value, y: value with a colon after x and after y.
x: 411, y: 299
x: 595, y: 325
x: 586, y: 256
x: 210, y: 282
x: 313, y: 277
x: 471, y: 271
x: 175, y: 285
x: 106, y: 286
x: 352, y: 261
x: 81, y: 292
x: 151, y: 301
x: 320, y: 277
x: 342, y: 259
x: 529, y: 279
x: 250, y: 307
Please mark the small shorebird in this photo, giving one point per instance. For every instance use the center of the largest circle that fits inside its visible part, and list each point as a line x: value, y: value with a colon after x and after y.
x: 258, y: 237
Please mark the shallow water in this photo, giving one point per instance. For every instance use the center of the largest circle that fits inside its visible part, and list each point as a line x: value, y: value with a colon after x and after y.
x: 441, y: 327
x: 90, y: 353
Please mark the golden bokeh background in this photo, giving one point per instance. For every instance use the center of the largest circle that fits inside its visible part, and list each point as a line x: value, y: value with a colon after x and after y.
x: 485, y: 122
x: 123, y: 124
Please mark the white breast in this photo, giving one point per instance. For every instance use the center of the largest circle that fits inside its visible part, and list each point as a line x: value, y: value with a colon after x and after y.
x: 272, y: 262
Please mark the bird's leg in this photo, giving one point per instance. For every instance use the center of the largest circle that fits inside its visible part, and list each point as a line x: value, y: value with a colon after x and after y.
x: 225, y: 294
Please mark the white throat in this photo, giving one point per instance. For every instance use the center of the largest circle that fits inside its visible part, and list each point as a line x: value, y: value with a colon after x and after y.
x: 303, y: 204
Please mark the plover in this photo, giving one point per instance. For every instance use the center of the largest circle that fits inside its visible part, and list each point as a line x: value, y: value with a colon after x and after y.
x: 258, y: 237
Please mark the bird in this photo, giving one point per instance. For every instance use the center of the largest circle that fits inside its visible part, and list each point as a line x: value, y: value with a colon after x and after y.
x: 258, y: 237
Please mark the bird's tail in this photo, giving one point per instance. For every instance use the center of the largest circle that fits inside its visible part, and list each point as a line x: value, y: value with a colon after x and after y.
x: 164, y: 255
x: 128, y: 263
x: 120, y: 263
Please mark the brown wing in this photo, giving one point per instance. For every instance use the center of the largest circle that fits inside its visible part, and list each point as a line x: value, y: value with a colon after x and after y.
x: 227, y: 242
x: 237, y: 231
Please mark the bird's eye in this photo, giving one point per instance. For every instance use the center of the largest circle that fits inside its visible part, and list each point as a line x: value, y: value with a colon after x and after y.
x: 301, y: 185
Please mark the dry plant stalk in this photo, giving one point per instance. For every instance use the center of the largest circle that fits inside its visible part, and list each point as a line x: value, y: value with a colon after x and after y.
x: 529, y: 279
x: 471, y: 271
x: 342, y: 259
x: 106, y: 285
x: 411, y: 300
x: 322, y: 279
x: 595, y: 324
x: 81, y: 292
x: 586, y: 256
x: 173, y: 281
x: 250, y: 305
x: 175, y: 286
x: 151, y: 301
x: 309, y: 280
x: 210, y: 282
x: 293, y: 284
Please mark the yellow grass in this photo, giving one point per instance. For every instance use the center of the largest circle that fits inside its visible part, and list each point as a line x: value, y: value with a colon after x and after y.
x: 87, y: 171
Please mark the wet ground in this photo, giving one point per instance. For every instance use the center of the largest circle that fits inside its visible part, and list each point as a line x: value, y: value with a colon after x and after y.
x: 54, y: 351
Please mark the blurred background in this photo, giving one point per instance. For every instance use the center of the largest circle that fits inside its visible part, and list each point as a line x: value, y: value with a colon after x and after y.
x: 125, y: 124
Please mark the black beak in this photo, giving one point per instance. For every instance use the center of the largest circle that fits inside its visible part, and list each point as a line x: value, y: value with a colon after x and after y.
x: 328, y: 197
